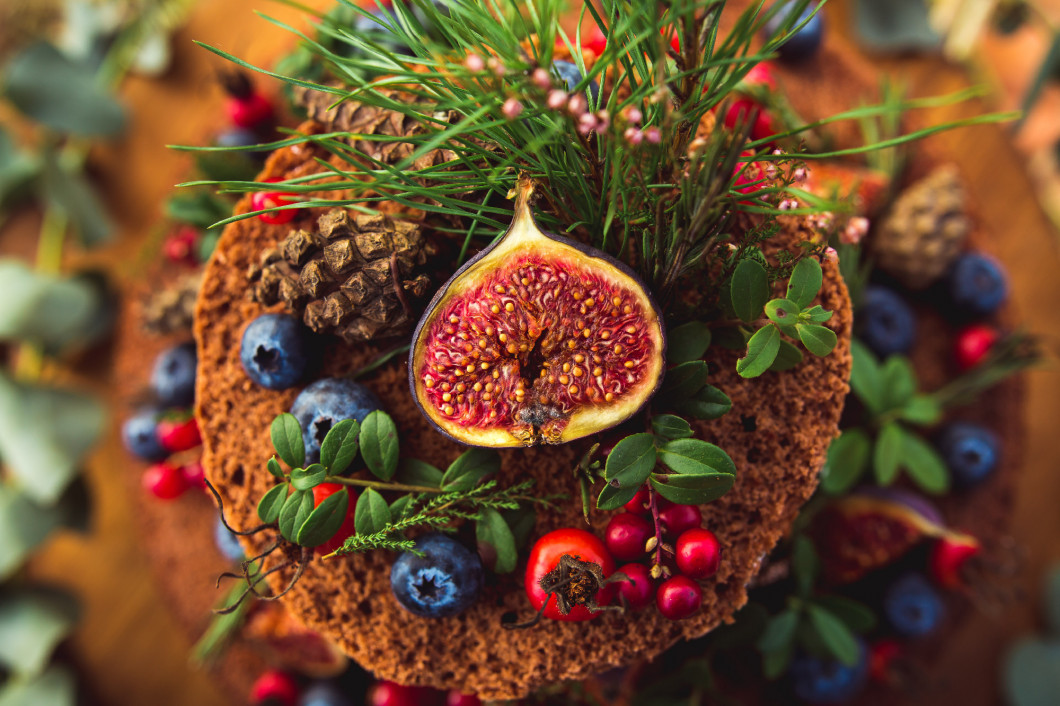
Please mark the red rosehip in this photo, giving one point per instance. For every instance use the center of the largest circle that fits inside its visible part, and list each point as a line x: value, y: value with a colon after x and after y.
x: 250, y: 111
x: 678, y: 597
x: 262, y: 200
x: 882, y: 654
x: 745, y: 109
x: 973, y: 344
x: 595, y: 41
x: 182, y: 246
x: 626, y: 536
x: 388, y: 693
x: 639, y: 589
x: 179, y: 435
x: 678, y: 519
x: 347, y: 528
x: 761, y: 74
x: 164, y: 481
x: 641, y: 503
x: 698, y: 553
x: 194, y: 475
x: 276, y: 686
x: 949, y: 554
x: 455, y: 698
x: 546, y: 555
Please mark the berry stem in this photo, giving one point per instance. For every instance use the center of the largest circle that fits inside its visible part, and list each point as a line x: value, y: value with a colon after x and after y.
x: 653, y: 503
x: 380, y: 485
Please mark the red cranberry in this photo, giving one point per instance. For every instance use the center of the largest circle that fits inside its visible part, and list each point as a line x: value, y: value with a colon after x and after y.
x: 743, y: 110
x: 164, y: 481
x: 639, y: 589
x: 249, y: 111
x: 698, y: 553
x: 182, y: 246
x: 626, y: 536
x: 194, y: 475
x: 881, y: 656
x: 678, y: 597
x: 761, y: 74
x: 455, y: 698
x: 179, y: 435
x: 388, y: 693
x: 640, y: 504
x: 262, y: 200
x: 948, y: 556
x: 596, y: 41
x: 678, y: 519
x: 276, y: 686
x: 973, y: 344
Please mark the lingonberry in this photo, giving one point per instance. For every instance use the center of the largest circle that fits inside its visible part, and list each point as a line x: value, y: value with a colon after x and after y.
x: 626, y: 536
x: 678, y: 597
x: 347, y: 528
x: 640, y: 504
x: 179, y: 434
x: 698, y: 553
x: 276, y: 687
x: 164, y: 481
x: 595, y: 41
x: 678, y: 519
x: 973, y: 343
x: 181, y: 246
x: 262, y: 200
x: 194, y: 475
x: 882, y: 655
x: 744, y: 110
x: 638, y: 588
x: 250, y: 111
x: 949, y: 554
x: 388, y: 693
x: 455, y: 698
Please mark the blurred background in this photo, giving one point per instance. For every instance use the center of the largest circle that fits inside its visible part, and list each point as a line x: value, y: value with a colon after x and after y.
x: 91, y: 94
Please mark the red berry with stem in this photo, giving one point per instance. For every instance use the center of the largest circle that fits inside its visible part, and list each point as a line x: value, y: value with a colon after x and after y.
x: 455, y: 698
x: 949, y: 555
x: 182, y: 246
x: 626, y: 536
x: 262, y: 200
x: 388, y: 693
x: 251, y: 111
x: 698, y: 553
x: 164, y: 481
x: 347, y: 528
x: 179, y: 435
x: 194, y: 475
x: 678, y: 519
x: 678, y: 597
x: 275, y: 686
x: 640, y: 504
x: 973, y: 344
x: 882, y: 654
x: 638, y: 589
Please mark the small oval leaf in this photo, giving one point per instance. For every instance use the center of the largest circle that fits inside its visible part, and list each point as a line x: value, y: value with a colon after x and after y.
x: 631, y: 460
x: 493, y: 530
x: 806, y: 280
x: 749, y: 290
x: 697, y: 457
x: 670, y: 427
x: 339, y: 447
x: 324, y: 521
x: 271, y: 503
x: 379, y: 444
x: 762, y: 350
x: 687, y: 342
x: 848, y: 456
x: 470, y: 468
x: 372, y: 514
x: 294, y: 512
x: 308, y: 478
x: 286, y: 436
x: 692, y: 489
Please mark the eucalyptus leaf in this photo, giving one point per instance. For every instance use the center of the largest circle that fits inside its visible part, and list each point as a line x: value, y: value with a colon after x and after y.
x: 887, y: 453
x: 866, y: 379
x: 687, y: 342
x: 762, y: 351
x: 412, y: 471
x: 272, y: 503
x: 492, y: 529
x: 923, y: 464
x: 848, y: 457
x: 339, y: 447
x: 379, y: 444
x: 788, y: 357
x: 708, y: 403
x: 18, y: 168
x: 45, y: 434
x: 55, y: 687
x: 50, y: 311
x: 200, y: 208
x: 631, y: 460
x: 32, y: 623
x: 670, y: 427
x: 64, y: 95
x: 692, y: 489
x: 73, y: 195
x: 1032, y: 672
x: 819, y: 340
x: 470, y: 468
x: 294, y: 512
x: 324, y: 521
x: 805, y: 282
x: 835, y: 634
x: 695, y: 456
x: 1052, y: 599
x: 372, y: 514
x: 23, y: 526
x: 308, y: 478
x: 286, y: 436
x: 749, y: 290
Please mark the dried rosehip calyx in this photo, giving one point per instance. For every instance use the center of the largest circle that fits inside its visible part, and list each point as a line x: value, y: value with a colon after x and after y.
x: 538, y: 339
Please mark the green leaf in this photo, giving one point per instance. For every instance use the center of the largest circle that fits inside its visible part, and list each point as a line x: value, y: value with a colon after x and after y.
x: 817, y: 314
x: 899, y: 382
x: 866, y: 379
x: 819, y: 340
x: 887, y: 453
x: 749, y: 290
x: 684, y: 380
x: 762, y: 350
x: 687, y: 342
x: 695, y: 456
x: 412, y: 471
x: 73, y: 195
x: 835, y: 635
x: 372, y: 514
x: 379, y: 444
x: 613, y: 497
x: 470, y: 468
x: 779, y: 632
x: 399, y: 506
x: 274, y: 468
x: 200, y: 208
x: 631, y: 460
x: 804, y: 564
x: 806, y: 280
x: 294, y: 512
x: 733, y: 338
x: 708, y: 403
x: 61, y: 94
x: 788, y: 357
x: 670, y: 427
x: 286, y: 436
x: 774, y: 664
x: 692, y: 489
x: 45, y: 434
x: 25, y: 524
x: 848, y: 456
x: 308, y: 478
x: 271, y: 503
x: 52, y: 312
x: 55, y: 687
x: 493, y: 530
x: 325, y: 520
x: 923, y: 464
x: 921, y: 409
x: 856, y: 616
x: 339, y: 447
x: 1032, y: 672
x: 782, y: 312
x: 1052, y: 600
x: 32, y: 623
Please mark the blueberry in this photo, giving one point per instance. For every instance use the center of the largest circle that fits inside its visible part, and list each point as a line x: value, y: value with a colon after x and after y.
x: 323, y: 694
x: 803, y: 43
x: 885, y: 322
x: 273, y: 351
x: 236, y: 137
x: 446, y: 580
x: 571, y: 77
x: 227, y: 543
x: 971, y: 451
x: 828, y: 681
x: 139, y: 433
x: 913, y: 606
x: 327, y: 402
x: 173, y: 378
x: 978, y: 283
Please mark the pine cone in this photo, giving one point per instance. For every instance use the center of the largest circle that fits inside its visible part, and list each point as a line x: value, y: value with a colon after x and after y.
x: 172, y: 310
x: 353, y: 278
x: 924, y: 230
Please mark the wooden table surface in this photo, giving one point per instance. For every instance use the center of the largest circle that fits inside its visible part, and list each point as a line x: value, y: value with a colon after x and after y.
x: 129, y: 649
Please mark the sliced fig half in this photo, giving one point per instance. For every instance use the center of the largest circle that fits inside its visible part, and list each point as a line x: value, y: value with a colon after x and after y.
x: 538, y: 339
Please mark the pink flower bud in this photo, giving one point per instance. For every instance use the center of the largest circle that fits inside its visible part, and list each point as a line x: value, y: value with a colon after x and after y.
x: 771, y: 171
x: 556, y: 99
x: 577, y: 104
x: 512, y: 108
x: 541, y: 79
x: 653, y: 135
x: 603, y: 119
x: 788, y: 204
x: 633, y: 135
x: 857, y: 228
x: 496, y: 66
x: 474, y: 62
x: 800, y: 174
x: 831, y: 255
x: 586, y: 123
x: 634, y: 115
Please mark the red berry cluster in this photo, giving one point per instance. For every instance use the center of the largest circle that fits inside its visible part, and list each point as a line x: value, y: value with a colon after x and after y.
x: 388, y: 693
x: 169, y: 479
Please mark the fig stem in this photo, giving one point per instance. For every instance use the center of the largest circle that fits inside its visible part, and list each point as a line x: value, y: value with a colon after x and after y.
x: 381, y: 485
